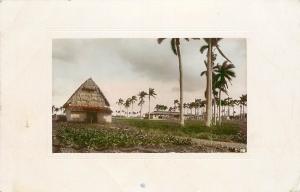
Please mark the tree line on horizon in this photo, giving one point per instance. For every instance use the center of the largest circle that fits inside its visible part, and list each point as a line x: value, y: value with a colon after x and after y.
x: 196, y: 108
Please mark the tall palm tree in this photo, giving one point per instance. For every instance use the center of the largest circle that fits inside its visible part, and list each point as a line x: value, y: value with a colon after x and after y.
x: 190, y: 106
x: 234, y: 103
x: 243, y: 100
x: 210, y: 44
x: 228, y: 103
x: 120, y: 102
x: 176, y: 103
x: 240, y: 103
x: 141, y: 103
x: 133, y: 99
x: 203, y: 103
x: 151, y: 93
x: 214, y: 88
x: 141, y: 96
x: 224, y: 74
x: 175, y: 45
x: 185, y: 105
x: 127, y: 104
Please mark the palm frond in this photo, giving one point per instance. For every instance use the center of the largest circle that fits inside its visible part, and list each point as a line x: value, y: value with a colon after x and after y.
x: 173, y: 46
x: 160, y: 40
x: 203, y: 73
x: 202, y: 49
x: 206, y: 40
x: 223, y: 55
x: 206, y: 65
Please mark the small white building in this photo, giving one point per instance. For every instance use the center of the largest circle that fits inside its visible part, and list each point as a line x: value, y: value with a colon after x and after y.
x: 88, y: 104
x: 163, y: 115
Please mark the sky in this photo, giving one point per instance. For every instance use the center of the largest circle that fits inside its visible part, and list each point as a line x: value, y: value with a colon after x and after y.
x: 124, y: 67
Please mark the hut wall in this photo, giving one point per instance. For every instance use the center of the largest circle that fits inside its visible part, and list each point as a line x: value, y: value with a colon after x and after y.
x: 103, y: 117
x: 75, y: 116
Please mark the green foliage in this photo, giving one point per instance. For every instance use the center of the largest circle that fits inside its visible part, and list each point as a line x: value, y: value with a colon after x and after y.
x: 193, y: 128
x: 79, y: 136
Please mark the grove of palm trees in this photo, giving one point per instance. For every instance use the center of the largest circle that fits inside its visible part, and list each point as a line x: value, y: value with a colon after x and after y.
x: 210, y: 118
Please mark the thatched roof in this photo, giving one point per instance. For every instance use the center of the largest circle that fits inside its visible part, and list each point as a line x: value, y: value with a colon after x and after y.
x: 88, y: 97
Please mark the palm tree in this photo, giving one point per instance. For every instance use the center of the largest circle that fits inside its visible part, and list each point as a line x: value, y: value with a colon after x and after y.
x: 141, y: 96
x: 151, y: 93
x: 214, y: 101
x: 56, y: 110
x: 214, y: 88
x: 62, y: 109
x: 194, y: 105
x: 185, y: 105
x: 53, y: 109
x: 210, y: 44
x: 120, y: 102
x: 234, y: 102
x: 190, y: 106
x: 133, y: 99
x: 243, y: 100
x: 198, y: 104
x: 228, y: 101
x: 224, y: 74
x: 240, y: 103
x: 176, y: 103
x: 127, y: 104
x: 202, y: 105
x: 175, y: 45
x: 141, y: 103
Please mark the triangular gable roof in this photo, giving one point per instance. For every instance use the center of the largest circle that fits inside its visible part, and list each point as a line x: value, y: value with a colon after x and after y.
x: 88, y: 95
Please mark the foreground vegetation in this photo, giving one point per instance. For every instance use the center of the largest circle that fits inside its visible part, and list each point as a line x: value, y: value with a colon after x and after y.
x: 101, y: 138
x: 229, y: 131
x: 136, y: 135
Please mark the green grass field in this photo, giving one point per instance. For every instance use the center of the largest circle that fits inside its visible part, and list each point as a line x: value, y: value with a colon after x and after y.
x: 140, y: 135
x: 228, y: 131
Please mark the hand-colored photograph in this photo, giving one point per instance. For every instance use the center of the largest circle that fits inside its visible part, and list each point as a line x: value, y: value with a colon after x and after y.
x: 182, y: 95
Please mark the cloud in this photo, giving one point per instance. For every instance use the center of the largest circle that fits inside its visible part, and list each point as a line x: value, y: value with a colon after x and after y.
x: 142, y: 62
x: 158, y: 63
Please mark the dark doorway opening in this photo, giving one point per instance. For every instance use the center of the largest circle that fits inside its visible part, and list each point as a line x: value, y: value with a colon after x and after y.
x: 91, y: 117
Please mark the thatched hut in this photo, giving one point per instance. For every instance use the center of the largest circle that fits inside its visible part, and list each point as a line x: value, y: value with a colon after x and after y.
x: 88, y: 104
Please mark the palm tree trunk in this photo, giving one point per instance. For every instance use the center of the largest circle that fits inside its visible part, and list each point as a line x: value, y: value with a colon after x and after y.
x: 209, y: 84
x: 180, y: 82
x: 215, y: 118
x: 220, y: 118
x: 228, y: 110
x: 141, y: 111
x: 243, y: 112
x: 149, y: 108
x: 240, y: 111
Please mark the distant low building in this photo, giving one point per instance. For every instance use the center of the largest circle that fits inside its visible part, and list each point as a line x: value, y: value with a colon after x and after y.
x: 163, y: 115
x: 171, y: 115
x: 88, y: 104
